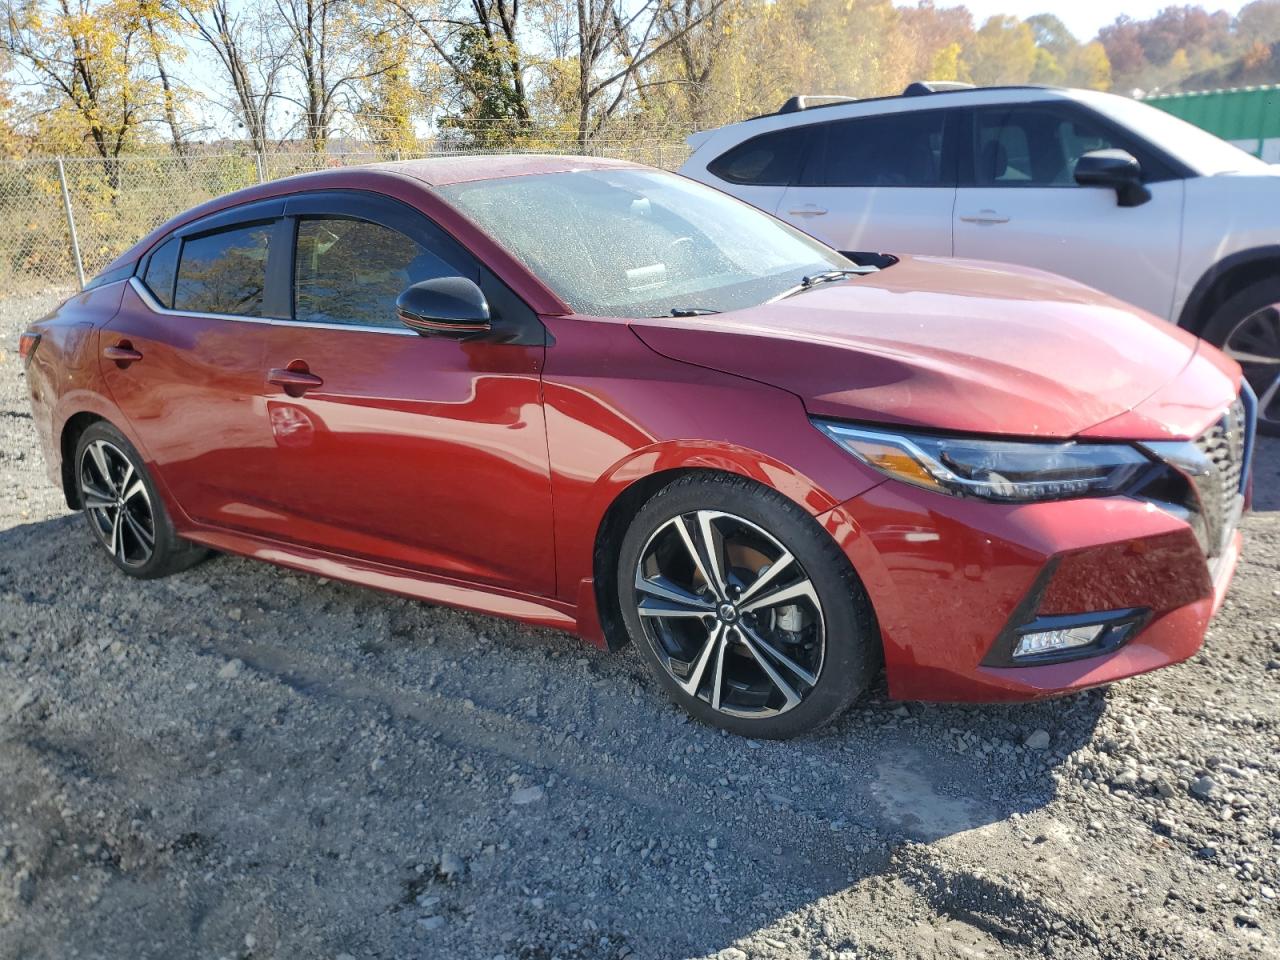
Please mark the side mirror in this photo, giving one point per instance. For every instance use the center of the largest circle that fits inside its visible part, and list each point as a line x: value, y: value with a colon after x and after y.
x: 1118, y: 170
x: 444, y: 307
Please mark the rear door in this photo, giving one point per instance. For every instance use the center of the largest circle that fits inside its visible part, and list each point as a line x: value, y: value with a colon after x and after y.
x: 423, y: 452
x: 1019, y: 203
x: 183, y: 362
x: 879, y: 184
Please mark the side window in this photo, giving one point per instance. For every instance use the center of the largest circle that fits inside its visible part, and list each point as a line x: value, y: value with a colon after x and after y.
x: 893, y: 150
x: 771, y: 159
x: 162, y: 270
x: 224, y: 272
x: 349, y: 271
x: 1036, y: 146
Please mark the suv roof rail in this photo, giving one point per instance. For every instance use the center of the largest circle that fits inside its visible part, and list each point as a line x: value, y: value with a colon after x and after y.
x: 810, y: 101
x: 923, y: 88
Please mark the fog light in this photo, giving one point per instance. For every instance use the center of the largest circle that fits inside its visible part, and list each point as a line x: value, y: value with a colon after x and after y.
x: 1055, y: 641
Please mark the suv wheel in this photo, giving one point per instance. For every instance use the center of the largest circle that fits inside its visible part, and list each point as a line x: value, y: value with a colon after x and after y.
x: 1247, y: 328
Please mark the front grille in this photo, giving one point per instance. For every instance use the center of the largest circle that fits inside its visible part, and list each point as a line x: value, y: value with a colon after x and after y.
x: 1220, y: 486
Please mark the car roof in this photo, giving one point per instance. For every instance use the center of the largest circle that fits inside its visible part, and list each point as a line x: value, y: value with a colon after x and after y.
x: 447, y: 170
x: 732, y: 133
x: 391, y: 177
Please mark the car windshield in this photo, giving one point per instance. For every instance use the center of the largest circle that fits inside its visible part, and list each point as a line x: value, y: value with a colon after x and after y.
x: 1198, y: 149
x: 632, y: 242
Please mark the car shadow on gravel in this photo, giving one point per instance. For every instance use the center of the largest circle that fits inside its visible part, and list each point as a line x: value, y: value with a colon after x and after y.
x: 402, y: 776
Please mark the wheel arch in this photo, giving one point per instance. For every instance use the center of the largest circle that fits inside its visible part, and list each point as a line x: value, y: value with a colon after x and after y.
x: 72, y: 431
x: 1222, y: 280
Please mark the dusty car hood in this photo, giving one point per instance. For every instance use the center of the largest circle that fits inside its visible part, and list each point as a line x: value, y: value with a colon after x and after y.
x: 950, y: 344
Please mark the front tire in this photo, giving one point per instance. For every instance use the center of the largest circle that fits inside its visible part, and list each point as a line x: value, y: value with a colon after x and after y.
x: 124, y: 511
x: 744, y: 608
x: 1247, y: 328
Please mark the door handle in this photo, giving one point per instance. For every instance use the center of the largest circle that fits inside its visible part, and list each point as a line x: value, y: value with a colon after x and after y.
x: 122, y: 353
x: 985, y: 216
x: 808, y: 210
x: 296, y: 378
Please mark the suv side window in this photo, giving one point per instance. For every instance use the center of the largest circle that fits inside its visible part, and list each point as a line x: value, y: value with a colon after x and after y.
x: 162, y: 270
x: 349, y: 271
x: 1038, y: 146
x: 769, y: 160
x: 224, y: 272
x: 892, y: 150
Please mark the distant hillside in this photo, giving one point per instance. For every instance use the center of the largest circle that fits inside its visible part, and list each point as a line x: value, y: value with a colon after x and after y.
x: 1261, y: 65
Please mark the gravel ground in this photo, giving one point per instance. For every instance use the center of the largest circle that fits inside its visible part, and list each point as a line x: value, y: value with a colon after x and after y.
x: 245, y: 762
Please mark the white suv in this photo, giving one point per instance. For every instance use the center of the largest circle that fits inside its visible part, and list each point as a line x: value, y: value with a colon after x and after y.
x: 1099, y: 188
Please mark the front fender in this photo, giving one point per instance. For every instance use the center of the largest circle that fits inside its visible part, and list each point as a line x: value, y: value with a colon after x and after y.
x: 619, y: 413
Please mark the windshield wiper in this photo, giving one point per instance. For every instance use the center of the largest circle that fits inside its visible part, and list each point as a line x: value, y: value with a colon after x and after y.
x: 691, y: 311
x: 826, y: 276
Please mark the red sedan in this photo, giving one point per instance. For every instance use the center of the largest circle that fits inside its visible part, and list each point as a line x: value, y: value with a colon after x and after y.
x: 601, y: 398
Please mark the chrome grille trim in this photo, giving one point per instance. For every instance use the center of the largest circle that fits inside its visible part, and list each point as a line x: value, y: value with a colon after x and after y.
x: 1216, y: 465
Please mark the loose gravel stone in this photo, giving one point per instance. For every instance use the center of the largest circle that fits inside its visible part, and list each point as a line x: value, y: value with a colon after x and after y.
x: 1039, y: 740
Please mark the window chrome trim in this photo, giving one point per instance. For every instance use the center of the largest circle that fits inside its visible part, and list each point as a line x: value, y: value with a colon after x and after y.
x: 149, y: 299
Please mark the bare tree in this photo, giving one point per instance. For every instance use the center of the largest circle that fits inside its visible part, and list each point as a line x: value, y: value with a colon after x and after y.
x: 251, y: 58
x: 324, y: 50
x: 616, y: 40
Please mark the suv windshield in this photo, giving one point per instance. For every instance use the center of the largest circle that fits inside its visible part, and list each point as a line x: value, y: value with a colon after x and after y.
x: 641, y: 243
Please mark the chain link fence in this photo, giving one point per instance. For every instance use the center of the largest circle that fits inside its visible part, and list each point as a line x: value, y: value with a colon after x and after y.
x: 61, y: 218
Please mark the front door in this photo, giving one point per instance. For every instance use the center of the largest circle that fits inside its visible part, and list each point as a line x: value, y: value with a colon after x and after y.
x: 1022, y: 205
x: 423, y: 452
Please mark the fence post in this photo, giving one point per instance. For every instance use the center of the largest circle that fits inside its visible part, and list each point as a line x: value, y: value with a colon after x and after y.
x: 261, y: 164
x: 71, y: 223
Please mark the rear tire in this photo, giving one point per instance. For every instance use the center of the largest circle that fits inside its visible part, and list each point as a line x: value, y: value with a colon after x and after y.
x: 772, y: 659
x: 125, y: 514
x: 1247, y: 328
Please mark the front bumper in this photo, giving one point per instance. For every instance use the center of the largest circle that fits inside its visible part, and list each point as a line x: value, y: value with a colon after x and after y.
x: 948, y: 577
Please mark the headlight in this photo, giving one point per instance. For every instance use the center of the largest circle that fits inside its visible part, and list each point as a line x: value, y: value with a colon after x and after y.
x: 1006, y: 470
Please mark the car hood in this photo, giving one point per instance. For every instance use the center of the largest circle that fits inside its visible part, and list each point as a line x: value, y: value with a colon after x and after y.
x: 945, y: 344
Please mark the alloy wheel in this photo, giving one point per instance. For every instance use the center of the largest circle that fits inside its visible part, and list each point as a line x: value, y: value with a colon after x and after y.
x: 1254, y: 343
x: 731, y: 613
x: 119, y: 507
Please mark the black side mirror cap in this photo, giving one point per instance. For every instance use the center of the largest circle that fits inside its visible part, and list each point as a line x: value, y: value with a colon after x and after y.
x: 445, y: 307
x: 1117, y: 170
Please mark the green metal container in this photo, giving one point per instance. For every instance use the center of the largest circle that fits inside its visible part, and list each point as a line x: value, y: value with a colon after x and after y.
x: 1247, y: 116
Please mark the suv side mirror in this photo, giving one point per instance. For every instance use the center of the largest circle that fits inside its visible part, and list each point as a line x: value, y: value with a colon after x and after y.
x: 1117, y: 169
x: 444, y: 307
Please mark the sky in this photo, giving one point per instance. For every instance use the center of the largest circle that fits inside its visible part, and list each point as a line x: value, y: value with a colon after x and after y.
x: 1083, y: 17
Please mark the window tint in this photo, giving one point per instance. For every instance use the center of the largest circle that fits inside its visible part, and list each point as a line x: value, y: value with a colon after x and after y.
x: 771, y: 159
x: 894, y: 150
x: 1035, y: 146
x: 351, y: 271
x: 224, y: 272
x: 162, y: 269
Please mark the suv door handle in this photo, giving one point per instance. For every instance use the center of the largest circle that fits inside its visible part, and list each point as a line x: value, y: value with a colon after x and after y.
x: 122, y: 353
x: 985, y: 216
x: 808, y: 210
x: 296, y: 378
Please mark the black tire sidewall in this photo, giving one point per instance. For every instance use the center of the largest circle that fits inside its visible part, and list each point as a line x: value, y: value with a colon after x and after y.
x: 171, y: 553
x: 1235, y: 308
x: 852, y: 641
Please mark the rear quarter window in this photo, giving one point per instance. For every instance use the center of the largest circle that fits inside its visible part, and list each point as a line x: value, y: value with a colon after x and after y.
x: 771, y: 159
x: 162, y: 270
